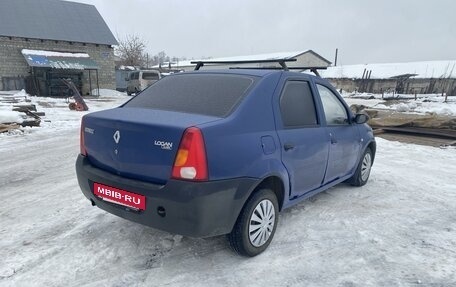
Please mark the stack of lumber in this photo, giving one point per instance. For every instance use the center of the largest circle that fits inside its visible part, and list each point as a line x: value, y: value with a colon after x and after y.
x: 32, y: 118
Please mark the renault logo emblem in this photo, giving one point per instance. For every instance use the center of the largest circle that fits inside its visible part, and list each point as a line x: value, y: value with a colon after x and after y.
x: 116, y: 137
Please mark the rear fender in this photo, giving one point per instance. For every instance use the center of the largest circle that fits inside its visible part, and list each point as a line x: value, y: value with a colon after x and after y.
x: 273, y: 168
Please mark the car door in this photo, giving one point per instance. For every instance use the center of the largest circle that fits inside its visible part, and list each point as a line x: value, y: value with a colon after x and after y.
x: 305, y: 144
x: 343, y: 134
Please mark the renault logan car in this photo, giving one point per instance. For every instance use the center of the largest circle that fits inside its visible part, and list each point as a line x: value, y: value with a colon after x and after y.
x: 208, y: 153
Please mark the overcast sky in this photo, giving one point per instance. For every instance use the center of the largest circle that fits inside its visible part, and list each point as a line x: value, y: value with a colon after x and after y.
x: 364, y: 31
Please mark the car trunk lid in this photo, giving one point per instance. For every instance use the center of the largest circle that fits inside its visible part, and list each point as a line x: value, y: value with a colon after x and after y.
x: 137, y: 143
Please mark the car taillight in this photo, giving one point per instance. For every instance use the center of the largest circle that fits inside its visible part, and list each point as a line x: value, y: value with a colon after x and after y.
x: 190, y: 162
x: 81, y: 140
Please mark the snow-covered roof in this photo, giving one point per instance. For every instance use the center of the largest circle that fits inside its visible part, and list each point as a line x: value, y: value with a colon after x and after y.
x: 127, y: 68
x: 426, y: 69
x: 268, y: 56
x: 54, y: 20
x: 58, y: 60
x: 54, y: 54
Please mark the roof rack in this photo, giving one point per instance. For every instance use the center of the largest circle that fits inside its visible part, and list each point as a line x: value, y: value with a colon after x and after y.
x: 281, y: 62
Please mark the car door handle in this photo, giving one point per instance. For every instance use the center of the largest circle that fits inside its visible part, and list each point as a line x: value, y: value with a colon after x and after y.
x: 288, y: 146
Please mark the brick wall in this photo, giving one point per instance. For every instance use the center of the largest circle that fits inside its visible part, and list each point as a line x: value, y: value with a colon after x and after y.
x: 13, y: 64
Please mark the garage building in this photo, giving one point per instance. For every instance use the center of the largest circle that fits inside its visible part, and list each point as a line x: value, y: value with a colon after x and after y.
x: 43, y: 42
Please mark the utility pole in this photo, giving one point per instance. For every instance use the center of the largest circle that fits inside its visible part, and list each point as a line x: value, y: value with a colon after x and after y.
x: 335, y: 58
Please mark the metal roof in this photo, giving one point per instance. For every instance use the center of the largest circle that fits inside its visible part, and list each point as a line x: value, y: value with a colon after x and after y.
x: 54, y: 20
x: 260, y: 57
x: 269, y: 56
x: 59, y: 60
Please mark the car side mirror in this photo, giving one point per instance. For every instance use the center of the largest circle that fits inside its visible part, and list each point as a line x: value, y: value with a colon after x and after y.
x: 361, y: 118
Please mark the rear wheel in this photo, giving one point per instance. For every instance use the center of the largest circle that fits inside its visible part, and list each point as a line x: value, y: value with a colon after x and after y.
x: 363, y: 171
x: 256, y: 225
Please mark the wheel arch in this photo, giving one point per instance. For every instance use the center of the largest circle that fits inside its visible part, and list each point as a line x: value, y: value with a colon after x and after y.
x: 276, y: 184
x: 373, y: 147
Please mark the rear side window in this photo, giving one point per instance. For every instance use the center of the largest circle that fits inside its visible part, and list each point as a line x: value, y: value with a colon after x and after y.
x: 150, y: 76
x: 205, y: 94
x: 297, y: 105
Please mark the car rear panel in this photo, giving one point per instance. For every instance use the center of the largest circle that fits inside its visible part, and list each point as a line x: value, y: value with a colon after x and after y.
x: 137, y: 143
x: 196, y: 209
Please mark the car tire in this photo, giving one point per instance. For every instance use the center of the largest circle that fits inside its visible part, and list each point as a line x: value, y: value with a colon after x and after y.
x: 256, y: 225
x: 363, y: 170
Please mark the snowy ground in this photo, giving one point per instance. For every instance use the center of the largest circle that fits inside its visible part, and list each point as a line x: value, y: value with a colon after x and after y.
x: 398, y: 230
x: 424, y: 104
x: 58, y: 116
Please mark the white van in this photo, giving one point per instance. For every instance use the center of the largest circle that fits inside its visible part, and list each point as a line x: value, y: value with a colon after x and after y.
x: 139, y: 80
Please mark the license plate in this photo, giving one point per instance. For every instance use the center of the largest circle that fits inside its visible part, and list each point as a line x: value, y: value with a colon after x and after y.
x: 120, y: 196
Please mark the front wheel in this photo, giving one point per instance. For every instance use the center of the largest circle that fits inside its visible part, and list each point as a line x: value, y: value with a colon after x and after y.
x: 256, y: 225
x: 363, y: 171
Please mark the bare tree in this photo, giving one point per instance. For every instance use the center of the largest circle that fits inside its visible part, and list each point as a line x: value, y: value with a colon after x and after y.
x: 162, y: 57
x: 131, y: 51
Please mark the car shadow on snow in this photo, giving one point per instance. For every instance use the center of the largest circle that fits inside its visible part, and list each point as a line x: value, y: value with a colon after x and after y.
x: 113, y: 240
x: 116, y: 240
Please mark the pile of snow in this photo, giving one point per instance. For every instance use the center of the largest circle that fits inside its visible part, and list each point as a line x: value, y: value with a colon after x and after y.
x: 10, y: 117
x: 426, y: 69
x: 21, y: 94
x: 448, y: 109
x: 108, y: 93
x: 438, y: 108
x: 54, y: 54
x: 424, y: 104
x: 406, y: 107
x: 127, y: 68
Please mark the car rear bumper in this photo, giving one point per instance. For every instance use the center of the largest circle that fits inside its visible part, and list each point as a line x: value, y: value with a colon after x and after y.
x: 195, y: 209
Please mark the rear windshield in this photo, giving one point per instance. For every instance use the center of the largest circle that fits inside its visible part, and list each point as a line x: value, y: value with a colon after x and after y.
x: 150, y: 76
x: 205, y: 94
